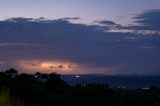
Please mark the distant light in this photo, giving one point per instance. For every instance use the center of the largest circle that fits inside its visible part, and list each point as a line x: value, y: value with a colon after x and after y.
x: 77, y: 76
x: 145, y: 88
x: 122, y: 87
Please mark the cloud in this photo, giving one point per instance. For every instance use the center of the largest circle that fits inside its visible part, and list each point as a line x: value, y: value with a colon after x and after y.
x: 105, y: 25
x: 150, y: 18
x: 73, y: 18
x: 43, y: 44
x: 61, y: 66
x: 146, y: 22
x: 108, y: 23
x: 2, y: 62
x: 13, y: 44
x: 146, y: 47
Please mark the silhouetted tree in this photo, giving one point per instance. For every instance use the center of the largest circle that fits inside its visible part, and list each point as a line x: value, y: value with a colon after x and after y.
x: 11, y: 72
x: 54, y: 82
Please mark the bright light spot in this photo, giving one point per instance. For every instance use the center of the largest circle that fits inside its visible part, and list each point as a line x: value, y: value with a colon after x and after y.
x: 77, y: 76
x: 145, y: 88
x: 122, y: 87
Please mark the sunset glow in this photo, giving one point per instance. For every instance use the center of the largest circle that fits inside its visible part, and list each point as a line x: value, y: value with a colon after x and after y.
x: 47, y: 66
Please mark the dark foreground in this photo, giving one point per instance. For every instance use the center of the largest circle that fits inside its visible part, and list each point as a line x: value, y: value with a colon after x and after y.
x: 51, y: 90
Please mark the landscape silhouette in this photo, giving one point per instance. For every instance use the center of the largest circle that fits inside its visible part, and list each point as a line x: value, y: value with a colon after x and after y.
x: 50, y: 90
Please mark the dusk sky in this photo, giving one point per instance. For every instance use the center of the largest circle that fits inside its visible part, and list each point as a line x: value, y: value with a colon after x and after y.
x: 80, y: 36
x: 89, y: 10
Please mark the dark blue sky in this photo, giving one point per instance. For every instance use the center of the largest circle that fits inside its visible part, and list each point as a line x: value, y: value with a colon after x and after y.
x: 81, y: 36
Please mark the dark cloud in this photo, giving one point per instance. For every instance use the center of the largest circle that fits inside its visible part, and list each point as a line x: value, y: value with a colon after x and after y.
x: 73, y: 18
x: 148, y: 20
x: 150, y: 17
x: 19, y: 19
x: 104, y: 22
x: 86, y: 45
x: 107, y: 25
x: 61, y: 66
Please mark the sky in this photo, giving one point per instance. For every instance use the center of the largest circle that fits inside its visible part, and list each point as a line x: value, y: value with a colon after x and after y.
x: 88, y: 10
x: 80, y: 36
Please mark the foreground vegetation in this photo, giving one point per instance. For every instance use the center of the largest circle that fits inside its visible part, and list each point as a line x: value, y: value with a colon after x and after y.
x: 7, y: 100
x: 51, y: 90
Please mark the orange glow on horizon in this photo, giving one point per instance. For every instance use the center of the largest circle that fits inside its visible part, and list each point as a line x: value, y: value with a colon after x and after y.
x: 47, y: 66
x: 62, y: 67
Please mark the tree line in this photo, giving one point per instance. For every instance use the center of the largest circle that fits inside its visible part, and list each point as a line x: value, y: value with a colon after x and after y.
x: 50, y: 90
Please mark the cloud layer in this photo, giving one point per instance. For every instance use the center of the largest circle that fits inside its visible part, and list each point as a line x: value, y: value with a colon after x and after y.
x: 65, y: 47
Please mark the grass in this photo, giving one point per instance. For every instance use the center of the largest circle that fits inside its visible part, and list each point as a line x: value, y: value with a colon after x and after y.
x: 7, y: 100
